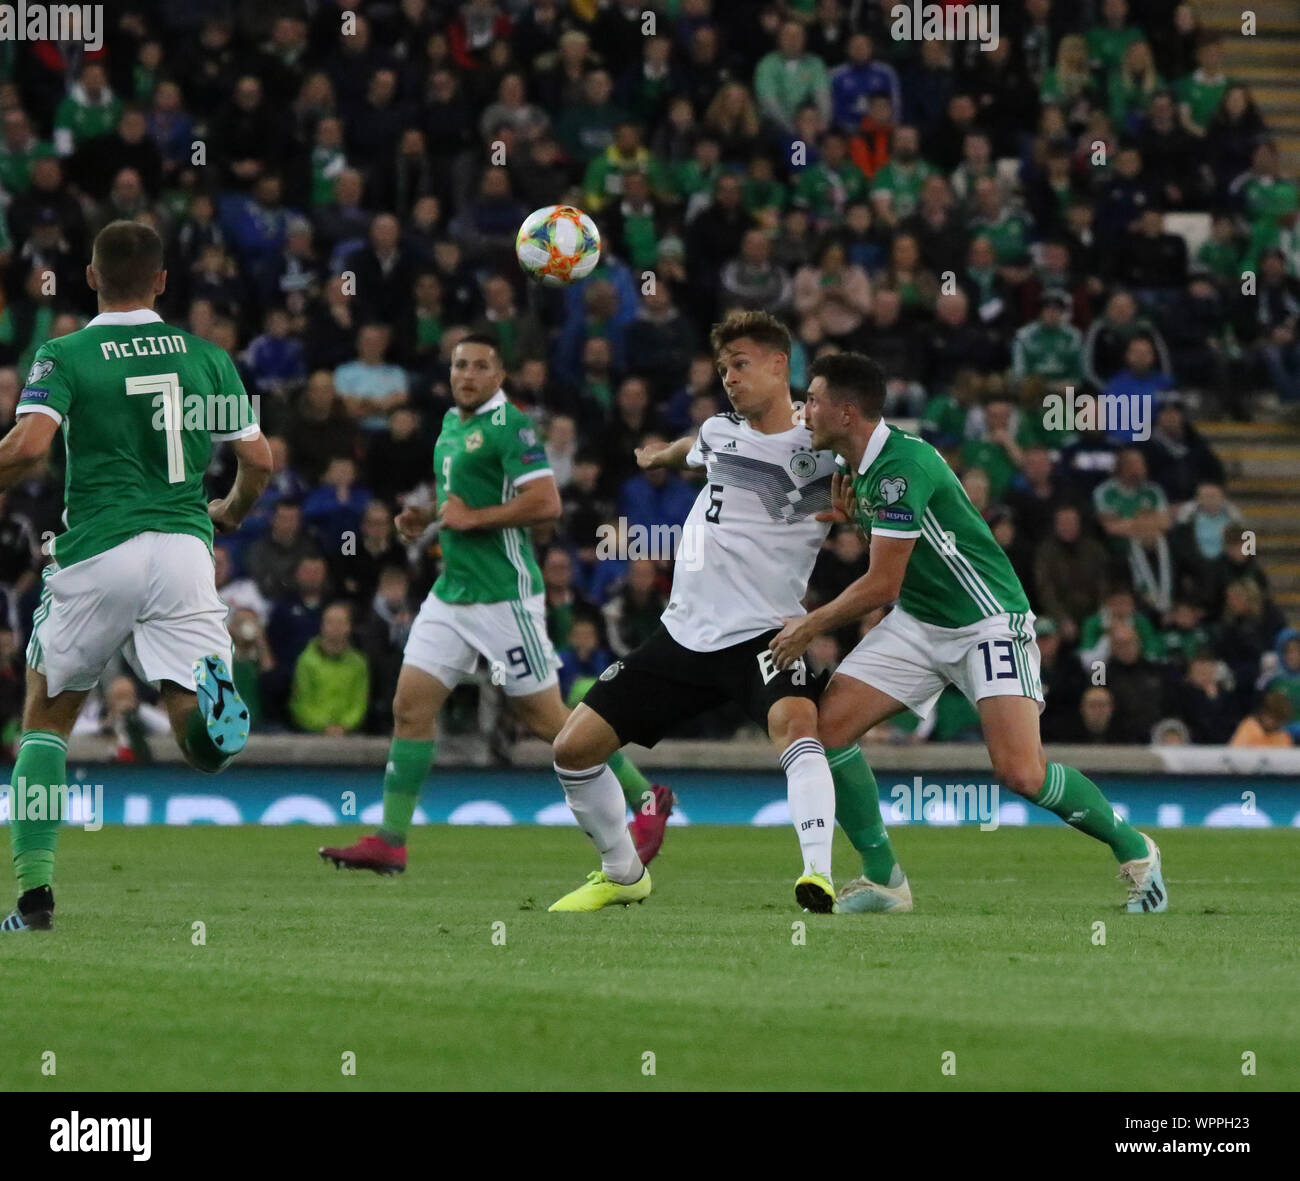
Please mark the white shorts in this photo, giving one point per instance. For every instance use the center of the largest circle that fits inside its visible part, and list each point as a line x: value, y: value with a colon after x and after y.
x: 914, y: 662
x: 447, y: 640
x: 153, y: 597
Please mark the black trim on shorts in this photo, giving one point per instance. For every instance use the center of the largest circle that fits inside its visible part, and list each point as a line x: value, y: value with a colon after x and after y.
x: 663, y: 683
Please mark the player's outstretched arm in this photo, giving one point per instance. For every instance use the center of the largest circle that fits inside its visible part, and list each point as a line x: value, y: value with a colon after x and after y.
x: 24, y: 445
x: 672, y: 456
x: 537, y: 501
x: 251, y: 478
x: 878, y: 587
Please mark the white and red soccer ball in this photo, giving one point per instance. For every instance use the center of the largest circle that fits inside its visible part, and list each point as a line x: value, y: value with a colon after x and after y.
x: 557, y: 245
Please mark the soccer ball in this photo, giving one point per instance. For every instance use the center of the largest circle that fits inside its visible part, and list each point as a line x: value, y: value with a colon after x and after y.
x: 558, y: 245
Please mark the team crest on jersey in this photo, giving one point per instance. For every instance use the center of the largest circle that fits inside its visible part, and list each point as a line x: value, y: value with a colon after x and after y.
x: 40, y: 371
x: 893, y: 489
x: 610, y: 673
x: 803, y: 464
x: 474, y: 440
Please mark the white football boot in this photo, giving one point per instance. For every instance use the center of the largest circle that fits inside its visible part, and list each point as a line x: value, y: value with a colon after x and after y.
x: 863, y: 896
x: 1146, y: 884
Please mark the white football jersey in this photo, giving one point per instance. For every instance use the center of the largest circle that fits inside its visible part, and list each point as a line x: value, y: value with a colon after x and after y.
x: 749, y: 544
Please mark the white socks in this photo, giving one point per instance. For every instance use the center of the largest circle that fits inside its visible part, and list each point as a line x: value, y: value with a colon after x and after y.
x: 811, y: 792
x: 597, y: 804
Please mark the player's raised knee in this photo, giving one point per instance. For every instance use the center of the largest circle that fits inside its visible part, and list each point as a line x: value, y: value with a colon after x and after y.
x: 790, y: 719
x: 412, y: 715
x: 836, y: 725
x: 1024, y: 776
x: 577, y: 745
x: 571, y: 750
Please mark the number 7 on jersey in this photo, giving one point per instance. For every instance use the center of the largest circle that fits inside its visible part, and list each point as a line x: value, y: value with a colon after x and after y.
x: 167, y: 386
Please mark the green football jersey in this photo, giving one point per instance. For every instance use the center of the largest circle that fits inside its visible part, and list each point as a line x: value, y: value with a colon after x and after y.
x: 85, y: 120
x: 903, y: 182
x: 957, y: 574
x: 1056, y: 354
x: 483, y: 459
x: 1203, y: 94
x: 1106, y: 45
x: 140, y: 403
x: 1111, y: 498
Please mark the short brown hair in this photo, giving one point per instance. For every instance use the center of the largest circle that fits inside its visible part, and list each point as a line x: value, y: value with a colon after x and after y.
x: 127, y: 258
x: 1277, y: 703
x: 760, y: 327
x: 852, y: 377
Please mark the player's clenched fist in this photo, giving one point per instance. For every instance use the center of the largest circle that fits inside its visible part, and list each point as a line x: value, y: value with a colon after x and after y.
x: 411, y: 522
x: 456, y: 515
x: 650, y: 456
x: 223, y: 521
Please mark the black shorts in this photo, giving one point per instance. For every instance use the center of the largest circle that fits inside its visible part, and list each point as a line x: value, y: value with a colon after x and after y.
x: 661, y: 684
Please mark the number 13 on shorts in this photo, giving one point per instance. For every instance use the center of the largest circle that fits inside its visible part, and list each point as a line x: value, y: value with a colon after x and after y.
x: 999, y: 660
x: 997, y: 667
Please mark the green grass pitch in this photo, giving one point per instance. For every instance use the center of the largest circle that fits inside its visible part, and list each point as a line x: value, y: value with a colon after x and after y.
x: 303, y: 964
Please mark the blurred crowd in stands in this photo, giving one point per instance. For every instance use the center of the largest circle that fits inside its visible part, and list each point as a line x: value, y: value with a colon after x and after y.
x: 339, y: 184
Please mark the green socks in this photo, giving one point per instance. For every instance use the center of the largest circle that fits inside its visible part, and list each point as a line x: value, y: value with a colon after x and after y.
x: 42, y: 762
x: 202, y: 751
x: 409, y: 761
x: 408, y: 766
x: 857, y: 808
x: 1078, y: 801
x: 1066, y: 793
x: 635, y: 785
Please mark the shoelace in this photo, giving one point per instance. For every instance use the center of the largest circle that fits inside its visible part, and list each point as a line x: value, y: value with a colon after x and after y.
x: 596, y: 876
x: 1136, y: 889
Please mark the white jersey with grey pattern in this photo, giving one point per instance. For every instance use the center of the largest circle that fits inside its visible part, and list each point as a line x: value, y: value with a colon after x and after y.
x: 750, y: 541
